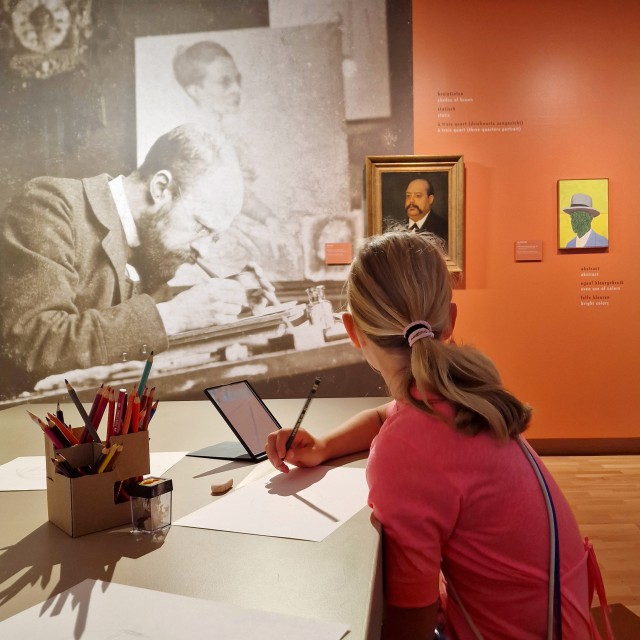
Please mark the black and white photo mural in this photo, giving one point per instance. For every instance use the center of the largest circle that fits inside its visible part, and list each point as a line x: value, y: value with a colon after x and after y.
x: 176, y: 177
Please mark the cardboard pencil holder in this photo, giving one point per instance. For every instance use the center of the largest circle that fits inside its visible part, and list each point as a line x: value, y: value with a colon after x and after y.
x: 88, y: 503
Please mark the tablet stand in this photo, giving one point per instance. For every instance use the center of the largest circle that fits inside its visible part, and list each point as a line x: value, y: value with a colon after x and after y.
x: 224, y: 451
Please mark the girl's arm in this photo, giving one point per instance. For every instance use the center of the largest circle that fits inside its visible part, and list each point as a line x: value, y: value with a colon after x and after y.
x: 352, y: 436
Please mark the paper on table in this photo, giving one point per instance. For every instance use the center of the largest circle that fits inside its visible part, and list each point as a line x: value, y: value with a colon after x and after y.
x: 87, y: 611
x: 259, y: 470
x: 24, y: 474
x: 161, y: 461
x: 307, y: 504
x: 29, y: 473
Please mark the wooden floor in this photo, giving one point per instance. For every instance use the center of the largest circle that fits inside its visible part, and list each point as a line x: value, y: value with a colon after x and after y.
x: 604, y: 492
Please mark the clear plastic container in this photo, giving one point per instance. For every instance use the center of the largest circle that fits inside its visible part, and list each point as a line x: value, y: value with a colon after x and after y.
x: 151, y: 504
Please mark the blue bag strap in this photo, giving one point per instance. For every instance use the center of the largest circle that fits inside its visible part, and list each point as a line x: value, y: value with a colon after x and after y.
x: 555, y: 599
x: 555, y: 603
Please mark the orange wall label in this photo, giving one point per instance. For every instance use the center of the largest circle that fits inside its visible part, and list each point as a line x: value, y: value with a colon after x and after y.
x: 528, y: 250
x: 338, y: 252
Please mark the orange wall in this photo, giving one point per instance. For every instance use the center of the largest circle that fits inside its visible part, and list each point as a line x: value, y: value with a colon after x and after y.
x: 570, y: 71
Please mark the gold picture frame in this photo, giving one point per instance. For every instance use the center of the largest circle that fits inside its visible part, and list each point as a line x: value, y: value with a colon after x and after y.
x: 386, y: 181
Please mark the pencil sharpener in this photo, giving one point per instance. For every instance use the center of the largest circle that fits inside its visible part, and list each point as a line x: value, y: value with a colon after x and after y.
x: 151, y: 504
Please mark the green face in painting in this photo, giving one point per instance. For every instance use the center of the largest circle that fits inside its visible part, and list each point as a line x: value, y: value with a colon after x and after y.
x: 581, y: 222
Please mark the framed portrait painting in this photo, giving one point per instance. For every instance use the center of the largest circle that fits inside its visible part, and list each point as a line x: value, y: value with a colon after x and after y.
x: 420, y: 193
x: 583, y: 214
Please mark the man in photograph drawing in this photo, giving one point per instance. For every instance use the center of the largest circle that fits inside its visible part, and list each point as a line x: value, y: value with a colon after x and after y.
x: 84, y: 262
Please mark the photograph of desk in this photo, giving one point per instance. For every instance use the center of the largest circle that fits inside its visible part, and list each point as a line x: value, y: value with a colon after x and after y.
x: 337, y: 579
x: 285, y: 374
x: 280, y: 359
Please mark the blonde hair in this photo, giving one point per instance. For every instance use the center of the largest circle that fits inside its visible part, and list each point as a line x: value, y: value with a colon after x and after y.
x: 402, y: 277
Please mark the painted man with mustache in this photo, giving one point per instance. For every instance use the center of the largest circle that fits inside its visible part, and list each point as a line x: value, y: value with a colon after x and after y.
x: 418, y: 201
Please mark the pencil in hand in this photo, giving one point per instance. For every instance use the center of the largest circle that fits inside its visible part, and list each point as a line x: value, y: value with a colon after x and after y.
x: 292, y: 435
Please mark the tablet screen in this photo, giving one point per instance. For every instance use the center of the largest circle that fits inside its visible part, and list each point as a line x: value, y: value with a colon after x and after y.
x: 245, y: 413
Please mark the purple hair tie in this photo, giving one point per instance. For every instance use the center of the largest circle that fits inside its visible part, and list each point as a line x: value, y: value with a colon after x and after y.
x: 415, y: 331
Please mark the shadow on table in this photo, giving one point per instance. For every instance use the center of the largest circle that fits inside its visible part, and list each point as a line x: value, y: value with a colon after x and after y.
x: 79, y: 559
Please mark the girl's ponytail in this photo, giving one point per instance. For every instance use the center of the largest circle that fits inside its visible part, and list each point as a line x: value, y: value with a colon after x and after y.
x: 399, y: 293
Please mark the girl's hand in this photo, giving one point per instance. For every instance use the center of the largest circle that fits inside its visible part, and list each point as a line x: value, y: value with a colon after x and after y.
x: 305, y: 450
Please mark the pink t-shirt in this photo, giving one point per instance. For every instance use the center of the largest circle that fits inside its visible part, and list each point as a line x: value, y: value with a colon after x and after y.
x: 476, y: 504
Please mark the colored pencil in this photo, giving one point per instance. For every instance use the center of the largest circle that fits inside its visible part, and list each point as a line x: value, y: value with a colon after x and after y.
x: 147, y: 410
x: 135, y: 414
x: 102, y: 405
x: 153, y: 409
x: 120, y: 405
x: 145, y: 374
x: 82, y: 411
x: 96, y: 402
x: 126, y: 423
x: 47, y: 431
x: 62, y: 427
x: 110, y: 452
x: 113, y: 459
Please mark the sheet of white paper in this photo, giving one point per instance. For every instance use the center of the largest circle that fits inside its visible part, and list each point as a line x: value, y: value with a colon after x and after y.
x: 24, y: 474
x: 161, y: 461
x: 307, y: 504
x: 259, y: 470
x: 29, y: 473
x: 94, y: 610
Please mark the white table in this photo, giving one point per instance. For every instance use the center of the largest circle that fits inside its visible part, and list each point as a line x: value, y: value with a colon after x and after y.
x: 337, y: 579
